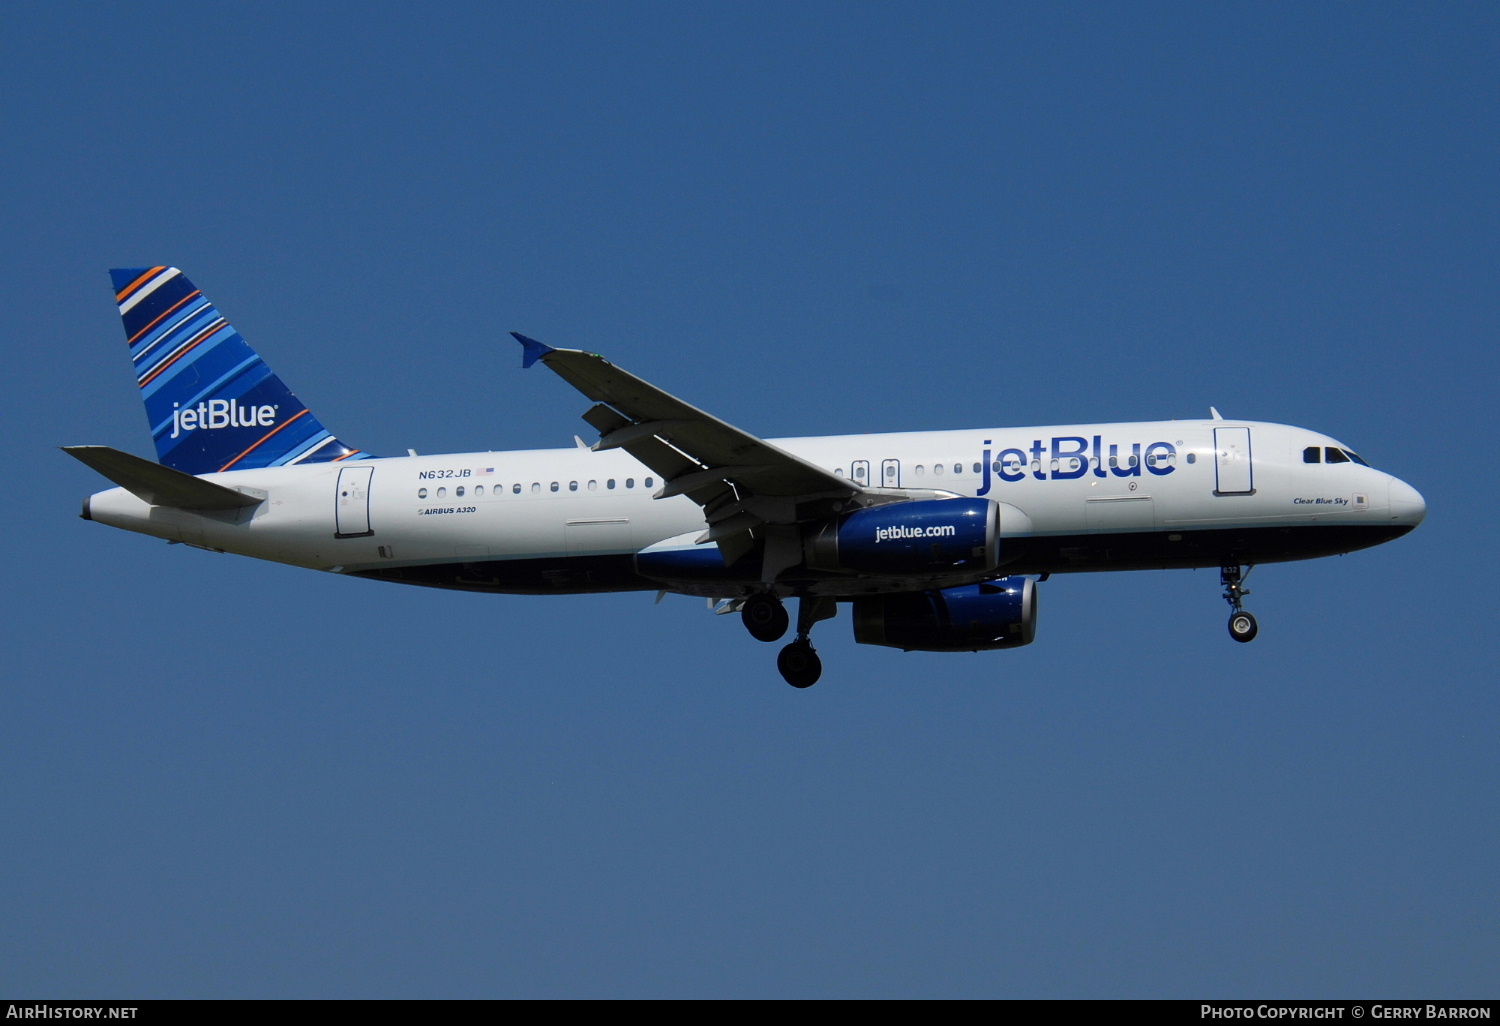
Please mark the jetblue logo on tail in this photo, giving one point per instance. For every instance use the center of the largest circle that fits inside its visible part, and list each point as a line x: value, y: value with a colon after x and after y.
x: 212, y: 402
x: 220, y: 413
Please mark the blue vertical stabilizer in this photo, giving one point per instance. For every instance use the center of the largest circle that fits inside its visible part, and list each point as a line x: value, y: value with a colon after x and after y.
x: 212, y: 402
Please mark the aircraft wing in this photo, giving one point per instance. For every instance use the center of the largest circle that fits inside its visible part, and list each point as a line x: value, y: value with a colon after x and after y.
x: 744, y: 484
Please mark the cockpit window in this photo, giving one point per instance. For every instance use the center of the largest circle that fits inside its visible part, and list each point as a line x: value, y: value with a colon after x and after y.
x: 1355, y: 457
x: 1312, y: 454
x: 1335, y: 455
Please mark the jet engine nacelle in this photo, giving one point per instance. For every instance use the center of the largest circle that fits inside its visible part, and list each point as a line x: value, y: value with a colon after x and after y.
x: 911, y: 539
x: 996, y: 614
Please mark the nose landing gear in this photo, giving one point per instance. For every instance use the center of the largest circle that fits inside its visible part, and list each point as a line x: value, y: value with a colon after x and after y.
x: 1242, y: 625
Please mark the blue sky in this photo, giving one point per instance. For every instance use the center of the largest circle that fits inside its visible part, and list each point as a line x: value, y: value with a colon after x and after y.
x: 226, y: 778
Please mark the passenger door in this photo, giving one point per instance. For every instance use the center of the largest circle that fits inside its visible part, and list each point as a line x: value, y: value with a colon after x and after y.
x: 352, y: 506
x: 1234, y: 473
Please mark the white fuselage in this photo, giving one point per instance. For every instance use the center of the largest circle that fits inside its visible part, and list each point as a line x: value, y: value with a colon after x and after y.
x: 1075, y: 497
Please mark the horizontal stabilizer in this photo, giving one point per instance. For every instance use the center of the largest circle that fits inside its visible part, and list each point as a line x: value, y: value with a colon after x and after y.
x: 156, y: 484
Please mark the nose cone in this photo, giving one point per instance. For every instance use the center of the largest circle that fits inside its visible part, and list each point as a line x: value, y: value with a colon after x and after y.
x: 1407, y: 505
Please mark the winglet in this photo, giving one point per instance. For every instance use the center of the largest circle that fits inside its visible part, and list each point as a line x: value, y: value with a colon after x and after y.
x: 534, y: 350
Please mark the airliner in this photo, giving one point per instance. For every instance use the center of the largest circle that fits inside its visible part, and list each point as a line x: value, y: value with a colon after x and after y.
x: 935, y: 540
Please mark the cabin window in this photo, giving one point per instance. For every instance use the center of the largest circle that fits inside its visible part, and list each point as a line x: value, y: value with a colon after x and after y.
x: 937, y: 468
x: 649, y: 482
x: 610, y: 483
x: 554, y: 486
x: 630, y: 482
x: 593, y: 486
x: 920, y: 470
x: 515, y: 489
x: 1312, y: 454
x: 421, y: 493
x: 1192, y: 457
x: 572, y: 486
x: 459, y: 492
x: 958, y: 468
x: 1134, y: 460
x: 536, y: 487
x: 1114, y: 461
x: 1335, y: 455
x: 977, y: 468
x: 479, y: 489
x: 838, y: 471
x: 442, y: 492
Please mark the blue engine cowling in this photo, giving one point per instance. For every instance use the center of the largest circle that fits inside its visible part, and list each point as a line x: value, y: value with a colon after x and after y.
x: 912, y: 539
x: 996, y: 614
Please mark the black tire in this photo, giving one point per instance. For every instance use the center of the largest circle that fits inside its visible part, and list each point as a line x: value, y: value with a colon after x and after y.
x: 799, y: 664
x: 1242, y: 627
x: 765, y: 617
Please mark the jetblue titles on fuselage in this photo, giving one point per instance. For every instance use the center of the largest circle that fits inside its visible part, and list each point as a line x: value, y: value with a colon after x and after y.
x: 1069, y: 457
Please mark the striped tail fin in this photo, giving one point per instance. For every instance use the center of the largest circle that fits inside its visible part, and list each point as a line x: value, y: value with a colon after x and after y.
x: 213, y: 404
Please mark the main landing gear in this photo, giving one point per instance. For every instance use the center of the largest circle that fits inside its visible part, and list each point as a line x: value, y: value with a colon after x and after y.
x: 1242, y: 625
x: 766, y: 619
x: 799, y: 664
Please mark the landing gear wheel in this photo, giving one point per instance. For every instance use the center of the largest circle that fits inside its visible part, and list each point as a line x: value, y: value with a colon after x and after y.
x: 765, y: 617
x: 1242, y: 626
x: 799, y: 664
